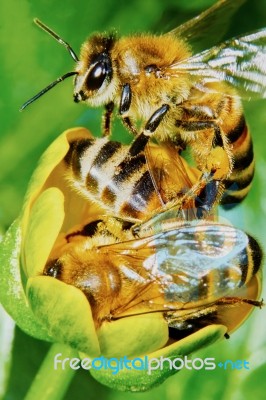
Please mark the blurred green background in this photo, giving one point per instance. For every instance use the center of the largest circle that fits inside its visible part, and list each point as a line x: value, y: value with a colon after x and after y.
x: 29, y: 61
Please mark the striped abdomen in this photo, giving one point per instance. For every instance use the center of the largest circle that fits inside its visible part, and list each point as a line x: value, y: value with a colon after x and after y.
x: 102, y: 171
x: 248, y: 261
x: 239, y: 183
x: 225, y: 278
x: 251, y: 261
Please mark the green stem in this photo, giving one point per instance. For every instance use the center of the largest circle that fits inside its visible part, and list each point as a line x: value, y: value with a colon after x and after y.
x: 52, y: 383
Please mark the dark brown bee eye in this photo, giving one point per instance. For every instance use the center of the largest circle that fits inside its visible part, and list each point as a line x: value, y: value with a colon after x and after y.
x: 97, y: 76
x: 53, y: 268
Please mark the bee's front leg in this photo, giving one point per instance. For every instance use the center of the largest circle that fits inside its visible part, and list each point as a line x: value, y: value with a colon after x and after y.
x: 124, y: 106
x: 106, y: 119
x: 154, y: 121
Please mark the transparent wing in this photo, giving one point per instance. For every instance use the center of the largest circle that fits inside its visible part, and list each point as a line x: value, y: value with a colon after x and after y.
x: 210, y: 26
x: 171, y: 175
x: 241, y: 62
x: 176, y: 183
x: 194, y: 262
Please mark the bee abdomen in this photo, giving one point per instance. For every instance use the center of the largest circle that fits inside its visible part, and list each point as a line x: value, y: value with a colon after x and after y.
x: 240, y: 271
x: 254, y: 257
x: 75, y: 153
x: 249, y: 260
x: 102, y: 171
x: 142, y: 199
x: 239, y: 183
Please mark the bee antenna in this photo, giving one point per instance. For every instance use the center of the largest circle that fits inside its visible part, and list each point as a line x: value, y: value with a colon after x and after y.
x: 43, y: 91
x: 57, y: 38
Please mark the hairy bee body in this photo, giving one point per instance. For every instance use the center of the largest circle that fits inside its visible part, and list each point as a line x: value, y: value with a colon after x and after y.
x: 238, y: 183
x: 134, y: 261
x: 209, y: 121
x: 100, y: 170
x: 192, y: 95
x: 129, y: 187
x: 191, y: 272
x: 141, y: 61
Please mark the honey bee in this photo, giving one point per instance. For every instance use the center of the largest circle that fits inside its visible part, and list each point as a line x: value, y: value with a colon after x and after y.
x: 190, y: 95
x: 195, y: 273
x: 138, y: 186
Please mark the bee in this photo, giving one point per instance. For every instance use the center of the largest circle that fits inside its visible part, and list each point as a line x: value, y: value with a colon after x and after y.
x: 192, y: 93
x: 132, y: 187
x: 195, y: 273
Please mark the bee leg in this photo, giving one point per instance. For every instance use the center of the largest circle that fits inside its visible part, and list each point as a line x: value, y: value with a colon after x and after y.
x: 219, y: 159
x: 128, y: 124
x: 226, y: 336
x: 231, y: 301
x: 106, y: 119
x: 207, y: 197
x: 116, y: 227
x: 206, y: 192
x: 219, y: 163
x: 87, y: 230
x: 125, y: 102
x: 154, y: 121
x: 218, y: 166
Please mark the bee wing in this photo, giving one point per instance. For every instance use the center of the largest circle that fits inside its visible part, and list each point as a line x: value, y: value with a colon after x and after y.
x: 175, y: 182
x: 162, y: 161
x: 210, y: 26
x: 195, y: 262
x: 241, y: 62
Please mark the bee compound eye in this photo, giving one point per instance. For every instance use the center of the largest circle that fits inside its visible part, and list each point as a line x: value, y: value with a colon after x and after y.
x: 97, y: 76
x: 53, y: 268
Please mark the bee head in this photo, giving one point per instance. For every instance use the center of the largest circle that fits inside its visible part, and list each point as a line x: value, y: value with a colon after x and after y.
x: 94, y: 72
x: 94, y: 274
x: 94, y: 79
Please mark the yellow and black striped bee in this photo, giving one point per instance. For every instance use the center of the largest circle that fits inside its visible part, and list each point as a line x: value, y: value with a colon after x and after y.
x: 190, y: 95
x: 136, y: 260
x: 195, y: 273
x: 138, y: 186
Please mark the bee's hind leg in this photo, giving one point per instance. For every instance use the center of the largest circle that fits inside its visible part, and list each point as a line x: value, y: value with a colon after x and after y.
x: 205, y: 194
x: 208, y: 196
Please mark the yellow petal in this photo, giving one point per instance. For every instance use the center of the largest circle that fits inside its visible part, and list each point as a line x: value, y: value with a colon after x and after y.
x: 65, y: 312
x: 46, y: 219
x: 129, y: 336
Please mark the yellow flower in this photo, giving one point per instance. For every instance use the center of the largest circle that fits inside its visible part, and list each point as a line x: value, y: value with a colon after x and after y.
x: 51, y: 310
